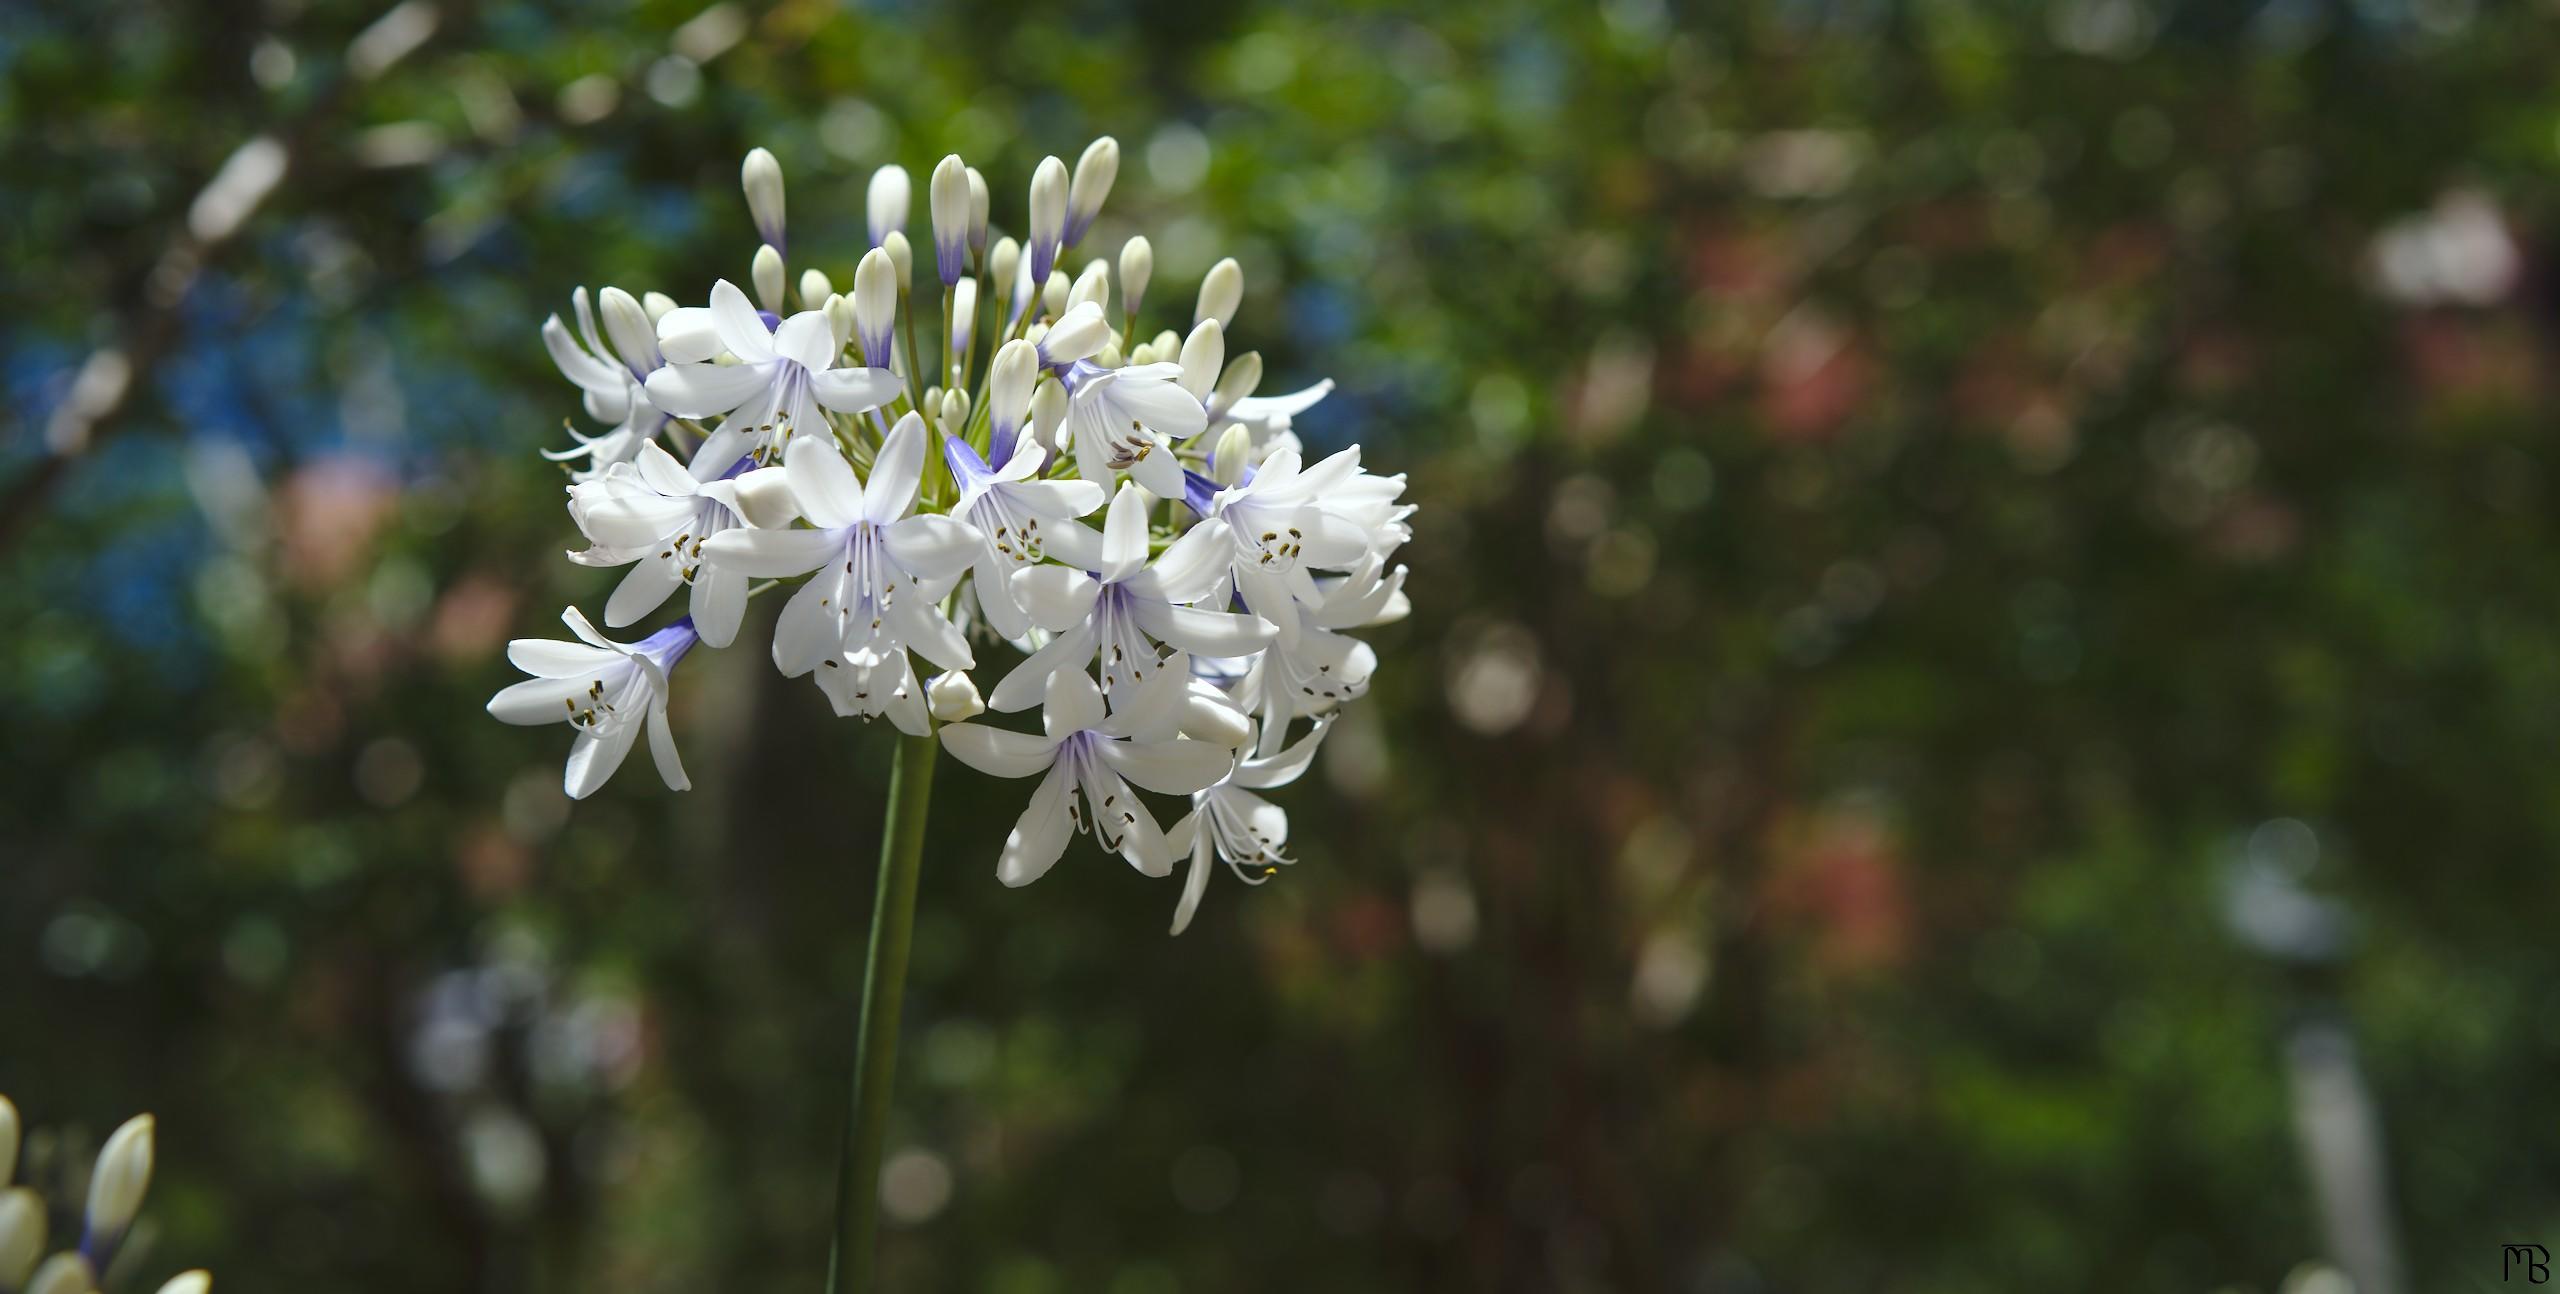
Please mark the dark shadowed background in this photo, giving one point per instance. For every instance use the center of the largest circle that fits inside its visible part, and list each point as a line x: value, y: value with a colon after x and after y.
x: 1980, y: 711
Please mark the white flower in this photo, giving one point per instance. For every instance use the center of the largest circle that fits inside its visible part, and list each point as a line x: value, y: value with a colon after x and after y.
x: 1279, y: 533
x: 613, y: 387
x: 879, y: 574
x: 775, y: 389
x: 1124, y: 420
x: 606, y: 690
x: 1089, y: 761
x: 1236, y: 826
x: 1015, y: 515
x: 652, y: 513
x: 1126, y: 606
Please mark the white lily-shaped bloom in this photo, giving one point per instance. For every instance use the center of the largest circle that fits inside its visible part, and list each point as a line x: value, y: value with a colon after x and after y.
x: 1280, y: 535
x: 1126, y: 420
x: 1089, y: 759
x: 606, y: 690
x: 612, y: 385
x: 1231, y: 824
x: 1319, y: 668
x: 781, y: 379
x: 1125, y: 606
x: 879, y: 574
x: 1015, y: 515
x: 653, y: 516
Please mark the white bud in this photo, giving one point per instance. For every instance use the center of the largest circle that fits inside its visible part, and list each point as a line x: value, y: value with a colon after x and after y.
x: 198, y: 1281
x: 955, y: 411
x: 891, y: 194
x: 1093, y: 285
x: 64, y: 1273
x: 1109, y: 356
x: 815, y: 288
x: 1233, y: 455
x: 657, y: 304
x: 1243, y: 374
x: 952, y: 697
x: 977, y: 211
x: 686, y: 335
x: 1049, y: 414
x: 767, y: 277
x: 1095, y: 171
x: 1053, y: 294
x: 21, y: 1236
x: 1203, y: 354
x: 949, y: 198
x: 964, y: 314
x: 1137, y: 265
x: 762, y: 179
x: 901, y: 256
x: 1009, y: 382
x: 1078, y: 333
x: 1221, y: 292
x: 1003, y: 264
x: 840, y: 318
x: 1144, y: 354
x: 635, y: 338
x: 123, y: 1174
x: 765, y: 499
x: 9, y: 1132
x: 1048, y: 216
x: 875, y: 305
x: 1210, y: 715
x: 1168, y: 343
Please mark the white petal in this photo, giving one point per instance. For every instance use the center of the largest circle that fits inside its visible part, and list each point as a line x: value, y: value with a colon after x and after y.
x: 660, y: 471
x: 806, y: 339
x: 1261, y: 408
x: 594, y: 757
x: 1073, y: 542
x: 1040, y: 835
x: 996, y: 751
x: 895, y: 472
x: 1284, y: 768
x: 934, y: 547
x: 686, y: 335
x: 1203, y: 633
x: 1124, y: 535
x: 552, y: 658
x: 1176, y: 767
x: 1185, y: 838
x: 537, y: 700
x: 854, y: 390
x: 719, y: 602
x: 1153, y: 710
x: 1055, y: 499
x: 1057, y: 597
x: 1028, y: 684
x: 1186, y: 569
x: 823, y: 482
x: 1074, y: 704
x: 920, y: 624
x: 741, y: 329
x: 1160, y: 472
x: 1141, y: 840
x: 641, y: 592
x: 994, y: 589
x: 662, y: 749
x: 770, y: 553
x: 706, y: 390
x: 805, y: 633
x: 1149, y: 395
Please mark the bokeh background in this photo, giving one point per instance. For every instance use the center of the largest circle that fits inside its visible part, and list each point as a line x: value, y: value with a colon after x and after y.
x: 1980, y: 712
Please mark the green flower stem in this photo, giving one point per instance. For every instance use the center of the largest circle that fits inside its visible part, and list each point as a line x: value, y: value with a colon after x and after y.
x: 854, y: 1267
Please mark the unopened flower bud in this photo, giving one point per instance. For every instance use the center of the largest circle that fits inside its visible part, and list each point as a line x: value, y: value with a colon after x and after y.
x: 21, y: 1236
x: 123, y: 1174
x: 955, y: 411
x: 1144, y: 354
x: 949, y: 198
x: 64, y: 1273
x: 1053, y: 294
x: 952, y: 697
x: 635, y: 338
x: 1009, y: 379
x: 1109, y: 356
x: 1095, y: 171
x: 1233, y: 454
x: 1093, y: 285
x: 194, y: 1282
x: 875, y: 306
x: 1203, y: 354
x: 1048, y: 216
x: 901, y: 256
x: 1221, y: 292
x: 1049, y: 414
x: 767, y: 278
x: 840, y: 318
x: 1003, y: 265
x: 1243, y: 374
x: 815, y: 288
x: 762, y: 179
x: 1137, y: 265
x: 964, y: 314
x: 977, y: 211
x: 657, y: 304
x: 1078, y: 333
x: 887, y: 202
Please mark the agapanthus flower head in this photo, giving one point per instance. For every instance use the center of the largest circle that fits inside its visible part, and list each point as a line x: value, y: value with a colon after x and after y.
x: 1114, y: 515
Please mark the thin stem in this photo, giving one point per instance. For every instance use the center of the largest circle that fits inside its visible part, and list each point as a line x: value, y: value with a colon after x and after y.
x: 854, y: 1266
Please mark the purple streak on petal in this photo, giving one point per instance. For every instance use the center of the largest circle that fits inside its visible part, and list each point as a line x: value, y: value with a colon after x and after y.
x: 1198, y: 490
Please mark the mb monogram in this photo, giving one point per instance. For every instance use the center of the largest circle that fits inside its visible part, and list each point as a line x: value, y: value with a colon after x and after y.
x: 2533, y: 1262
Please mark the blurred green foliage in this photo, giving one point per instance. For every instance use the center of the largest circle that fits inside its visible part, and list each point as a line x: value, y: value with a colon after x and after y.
x: 1918, y: 498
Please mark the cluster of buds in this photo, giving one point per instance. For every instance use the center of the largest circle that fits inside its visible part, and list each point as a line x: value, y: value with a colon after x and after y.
x: 1121, y: 508
x: 116, y: 1187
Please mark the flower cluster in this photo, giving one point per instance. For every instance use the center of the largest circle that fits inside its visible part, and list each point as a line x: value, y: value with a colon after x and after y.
x: 116, y: 1187
x: 1122, y: 509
